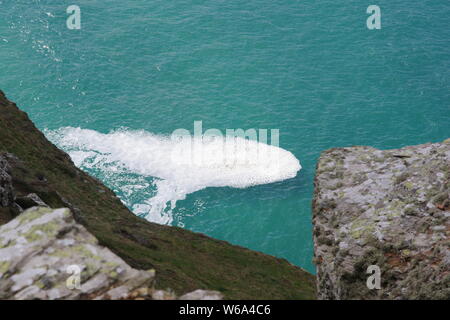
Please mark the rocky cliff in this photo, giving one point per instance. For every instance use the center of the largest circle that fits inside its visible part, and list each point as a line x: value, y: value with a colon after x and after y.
x: 45, y: 254
x: 34, y: 172
x: 388, y: 209
x: 39, y: 249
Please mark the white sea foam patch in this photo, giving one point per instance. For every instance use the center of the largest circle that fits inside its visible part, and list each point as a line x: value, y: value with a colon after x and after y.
x: 181, y: 166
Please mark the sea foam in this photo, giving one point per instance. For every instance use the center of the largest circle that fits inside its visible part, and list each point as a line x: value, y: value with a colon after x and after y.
x: 180, y: 166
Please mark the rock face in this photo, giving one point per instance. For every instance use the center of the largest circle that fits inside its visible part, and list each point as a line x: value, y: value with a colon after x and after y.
x: 8, y: 206
x: 385, y: 208
x: 45, y: 254
x: 43, y: 248
x: 6, y: 189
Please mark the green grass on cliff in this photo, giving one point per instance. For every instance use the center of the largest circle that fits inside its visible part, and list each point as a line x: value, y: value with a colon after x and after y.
x: 183, y: 260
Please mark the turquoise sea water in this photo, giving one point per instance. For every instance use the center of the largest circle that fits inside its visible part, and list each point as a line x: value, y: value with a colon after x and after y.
x: 311, y: 69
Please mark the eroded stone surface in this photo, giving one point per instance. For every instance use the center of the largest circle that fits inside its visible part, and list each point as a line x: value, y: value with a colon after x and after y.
x: 43, y: 247
x: 387, y: 208
x: 43, y: 250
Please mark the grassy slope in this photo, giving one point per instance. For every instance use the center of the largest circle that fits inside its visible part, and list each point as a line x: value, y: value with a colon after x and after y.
x: 183, y: 260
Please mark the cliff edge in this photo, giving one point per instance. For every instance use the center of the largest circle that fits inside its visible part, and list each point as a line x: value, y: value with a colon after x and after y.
x: 45, y: 254
x: 184, y: 261
x: 389, y: 209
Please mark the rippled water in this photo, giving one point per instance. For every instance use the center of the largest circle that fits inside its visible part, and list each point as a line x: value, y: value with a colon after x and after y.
x: 310, y: 69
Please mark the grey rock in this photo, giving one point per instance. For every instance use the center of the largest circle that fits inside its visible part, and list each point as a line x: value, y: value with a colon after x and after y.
x: 162, y: 295
x: 202, y: 295
x: 386, y: 208
x: 43, y: 248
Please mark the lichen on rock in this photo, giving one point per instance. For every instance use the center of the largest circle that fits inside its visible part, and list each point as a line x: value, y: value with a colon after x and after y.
x: 42, y: 248
x: 386, y: 208
x: 46, y: 254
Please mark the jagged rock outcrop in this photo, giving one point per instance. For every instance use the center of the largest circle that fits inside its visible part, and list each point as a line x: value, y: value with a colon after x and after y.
x: 38, y: 250
x: 8, y: 207
x: 184, y: 261
x: 45, y: 254
x: 6, y: 189
x: 385, y: 208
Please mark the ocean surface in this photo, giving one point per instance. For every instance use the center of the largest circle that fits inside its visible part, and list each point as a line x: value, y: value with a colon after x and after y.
x: 112, y: 93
